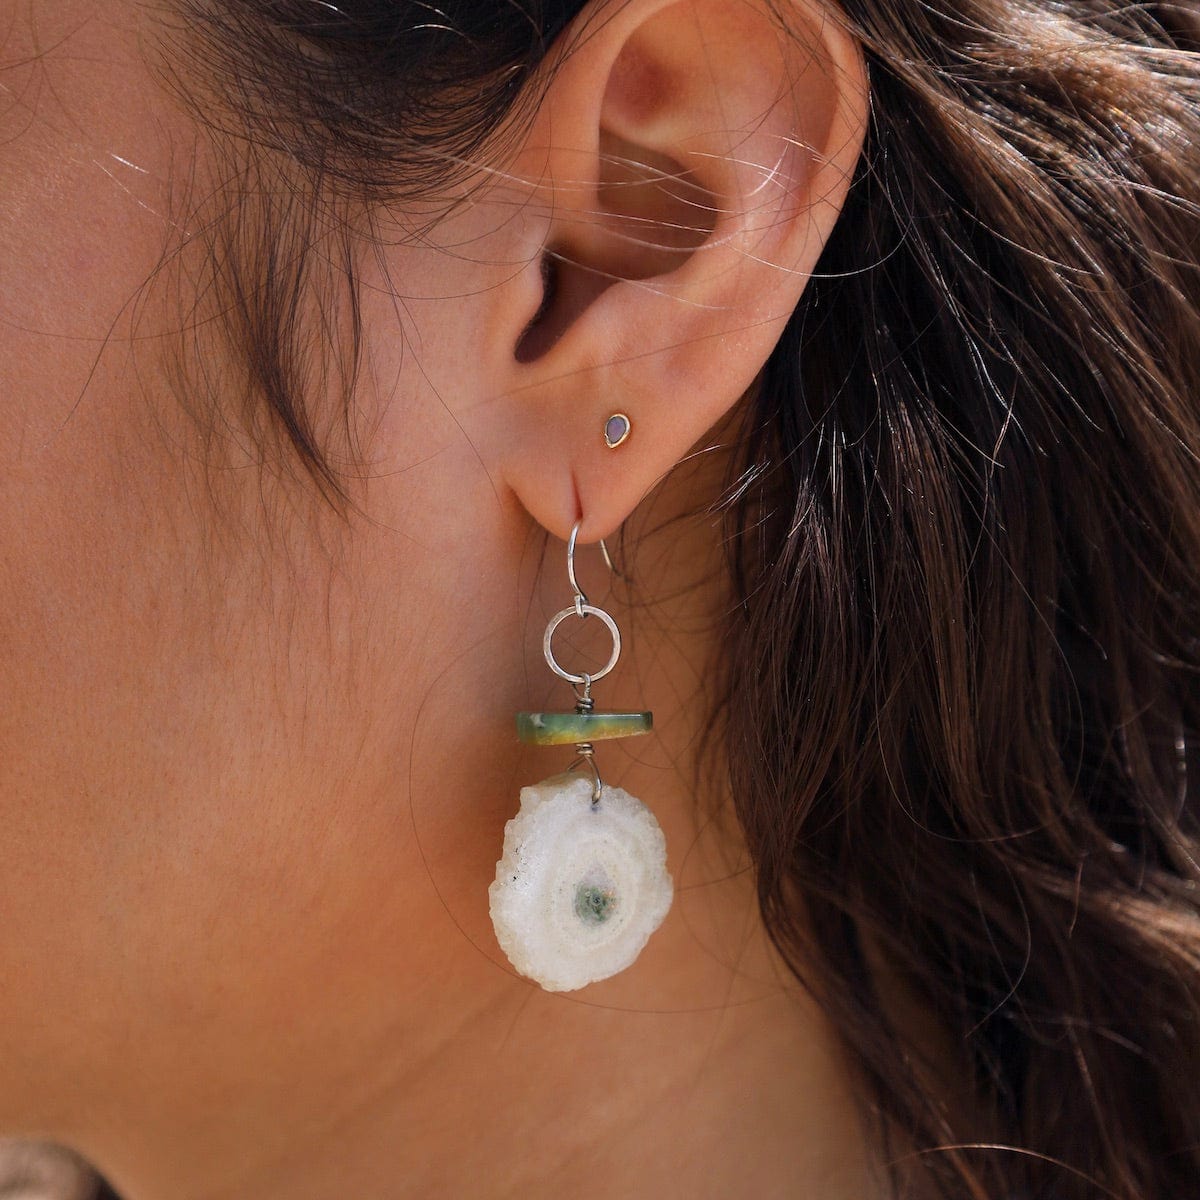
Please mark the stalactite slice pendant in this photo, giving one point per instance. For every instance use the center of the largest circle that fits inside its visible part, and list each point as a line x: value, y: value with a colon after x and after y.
x: 581, y: 885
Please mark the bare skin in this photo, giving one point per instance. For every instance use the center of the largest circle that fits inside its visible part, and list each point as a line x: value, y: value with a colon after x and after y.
x: 256, y: 757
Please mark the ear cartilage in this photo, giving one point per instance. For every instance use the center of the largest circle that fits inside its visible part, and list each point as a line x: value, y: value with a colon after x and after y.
x: 616, y: 430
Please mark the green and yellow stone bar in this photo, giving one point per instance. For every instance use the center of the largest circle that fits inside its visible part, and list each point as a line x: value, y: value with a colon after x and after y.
x: 570, y: 728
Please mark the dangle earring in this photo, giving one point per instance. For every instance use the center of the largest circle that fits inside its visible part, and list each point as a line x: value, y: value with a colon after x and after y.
x: 583, y: 880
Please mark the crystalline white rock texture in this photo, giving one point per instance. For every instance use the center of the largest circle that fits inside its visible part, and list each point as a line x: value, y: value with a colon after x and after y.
x: 580, y: 889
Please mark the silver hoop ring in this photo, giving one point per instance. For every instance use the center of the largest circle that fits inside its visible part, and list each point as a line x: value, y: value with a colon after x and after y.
x: 548, y: 649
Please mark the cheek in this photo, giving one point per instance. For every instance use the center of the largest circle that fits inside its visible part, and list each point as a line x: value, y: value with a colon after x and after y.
x: 248, y: 752
x: 249, y: 755
x: 85, y: 221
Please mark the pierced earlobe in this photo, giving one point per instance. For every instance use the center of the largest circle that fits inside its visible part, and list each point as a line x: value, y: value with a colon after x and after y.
x: 616, y: 429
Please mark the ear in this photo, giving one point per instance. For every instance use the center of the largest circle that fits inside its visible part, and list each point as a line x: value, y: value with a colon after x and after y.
x: 693, y: 156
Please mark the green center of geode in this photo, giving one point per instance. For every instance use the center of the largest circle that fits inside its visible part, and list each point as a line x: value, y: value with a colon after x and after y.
x: 594, y: 904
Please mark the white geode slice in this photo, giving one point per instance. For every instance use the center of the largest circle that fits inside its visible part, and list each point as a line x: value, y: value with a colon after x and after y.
x: 580, y: 889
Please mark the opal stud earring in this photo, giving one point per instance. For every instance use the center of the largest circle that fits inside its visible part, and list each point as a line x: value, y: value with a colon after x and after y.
x: 616, y: 430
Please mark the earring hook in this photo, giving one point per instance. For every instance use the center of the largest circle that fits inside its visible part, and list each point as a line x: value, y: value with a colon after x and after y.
x: 580, y: 598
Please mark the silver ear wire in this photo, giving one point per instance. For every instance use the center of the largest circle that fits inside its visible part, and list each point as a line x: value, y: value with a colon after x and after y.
x: 580, y: 599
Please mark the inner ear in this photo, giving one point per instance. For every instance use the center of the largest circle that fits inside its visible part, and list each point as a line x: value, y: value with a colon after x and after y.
x: 651, y: 215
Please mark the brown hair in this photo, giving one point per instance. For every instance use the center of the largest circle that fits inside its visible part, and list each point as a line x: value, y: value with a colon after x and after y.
x: 965, y: 541
x: 969, y: 577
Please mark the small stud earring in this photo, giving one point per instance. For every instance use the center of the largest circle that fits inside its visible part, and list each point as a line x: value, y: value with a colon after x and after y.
x: 616, y: 430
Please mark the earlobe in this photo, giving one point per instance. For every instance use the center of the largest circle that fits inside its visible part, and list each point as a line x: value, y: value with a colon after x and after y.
x: 694, y: 155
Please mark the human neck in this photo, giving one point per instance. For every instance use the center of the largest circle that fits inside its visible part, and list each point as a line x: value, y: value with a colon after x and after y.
x: 524, y: 1093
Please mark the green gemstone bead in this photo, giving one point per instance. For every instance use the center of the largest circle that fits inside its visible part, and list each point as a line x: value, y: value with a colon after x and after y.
x: 594, y: 904
x: 570, y: 728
